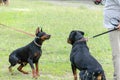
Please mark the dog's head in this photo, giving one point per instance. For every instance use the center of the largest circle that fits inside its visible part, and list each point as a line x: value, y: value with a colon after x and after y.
x: 42, y: 35
x: 75, y: 36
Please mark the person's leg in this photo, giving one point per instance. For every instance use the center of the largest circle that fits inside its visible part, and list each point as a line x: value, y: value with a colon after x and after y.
x: 115, y: 44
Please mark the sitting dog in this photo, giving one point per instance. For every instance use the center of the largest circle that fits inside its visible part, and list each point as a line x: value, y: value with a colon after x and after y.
x: 29, y: 54
x: 81, y: 59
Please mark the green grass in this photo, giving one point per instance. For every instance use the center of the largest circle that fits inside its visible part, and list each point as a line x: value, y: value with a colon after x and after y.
x: 58, y: 21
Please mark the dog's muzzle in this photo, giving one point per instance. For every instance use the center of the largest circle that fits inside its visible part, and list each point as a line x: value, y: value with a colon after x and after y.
x: 68, y: 41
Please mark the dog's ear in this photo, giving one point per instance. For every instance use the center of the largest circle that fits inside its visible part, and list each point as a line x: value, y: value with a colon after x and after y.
x: 41, y: 30
x: 37, y: 31
x: 81, y: 32
x: 72, y: 34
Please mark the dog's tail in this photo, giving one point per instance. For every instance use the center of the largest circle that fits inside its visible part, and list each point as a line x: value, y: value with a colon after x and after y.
x: 13, y: 60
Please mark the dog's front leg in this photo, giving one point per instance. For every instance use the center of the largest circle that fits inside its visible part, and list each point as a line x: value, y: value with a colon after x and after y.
x: 37, y: 69
x: 74, y: 70
x: 30, y: 61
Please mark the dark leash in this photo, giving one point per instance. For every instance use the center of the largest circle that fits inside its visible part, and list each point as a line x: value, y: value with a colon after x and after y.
x: 86, y: 39
x: 115, y: 22
x: 104, y: 33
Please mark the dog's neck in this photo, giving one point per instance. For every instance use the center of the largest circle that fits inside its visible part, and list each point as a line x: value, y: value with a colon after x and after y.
x: 82, y: 40
x: 38, y: 42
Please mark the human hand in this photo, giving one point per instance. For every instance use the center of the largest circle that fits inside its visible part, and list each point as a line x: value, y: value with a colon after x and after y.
x: 118, y: 27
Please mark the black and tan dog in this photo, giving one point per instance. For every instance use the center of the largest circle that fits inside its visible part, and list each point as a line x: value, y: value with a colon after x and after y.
x: 29, y: 54
x: 81, y: 59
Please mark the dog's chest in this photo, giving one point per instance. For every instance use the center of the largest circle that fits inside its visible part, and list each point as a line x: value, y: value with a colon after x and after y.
x: 37, y: 54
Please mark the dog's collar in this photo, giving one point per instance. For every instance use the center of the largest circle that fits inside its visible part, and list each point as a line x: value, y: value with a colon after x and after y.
x: 36, y: 44
x: 82, y: 40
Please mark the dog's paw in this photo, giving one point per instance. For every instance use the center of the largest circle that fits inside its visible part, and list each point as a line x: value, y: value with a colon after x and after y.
x: 25, y: 72
x: 37, y: 73
x: 35, y: 76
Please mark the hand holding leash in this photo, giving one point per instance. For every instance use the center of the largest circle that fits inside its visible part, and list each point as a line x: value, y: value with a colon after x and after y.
x: 118, y: 27
x: 115, y: 22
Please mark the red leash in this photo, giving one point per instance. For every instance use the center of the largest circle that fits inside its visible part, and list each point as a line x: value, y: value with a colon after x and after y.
x: 21, y: 31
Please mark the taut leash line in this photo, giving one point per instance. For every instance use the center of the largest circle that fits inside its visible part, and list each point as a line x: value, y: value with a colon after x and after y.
x: 18, y: 30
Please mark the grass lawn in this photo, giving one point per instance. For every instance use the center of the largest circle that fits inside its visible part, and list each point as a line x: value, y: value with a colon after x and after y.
x: 58, y: 21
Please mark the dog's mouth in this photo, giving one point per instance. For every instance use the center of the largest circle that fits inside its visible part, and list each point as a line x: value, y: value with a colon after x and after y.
x: 45, y: 37
x: 68, y: 41
x: 48, y: 37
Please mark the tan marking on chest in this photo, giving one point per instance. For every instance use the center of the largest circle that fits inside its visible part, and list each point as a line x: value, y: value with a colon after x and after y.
x: 36, y: 54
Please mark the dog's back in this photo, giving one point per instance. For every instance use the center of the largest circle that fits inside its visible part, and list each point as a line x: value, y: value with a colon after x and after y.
x: 82, y: 59
x: 24, y: 53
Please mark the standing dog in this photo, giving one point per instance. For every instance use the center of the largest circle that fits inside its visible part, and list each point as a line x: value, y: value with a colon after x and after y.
x: 29, y: 54
x: 81, y: 59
